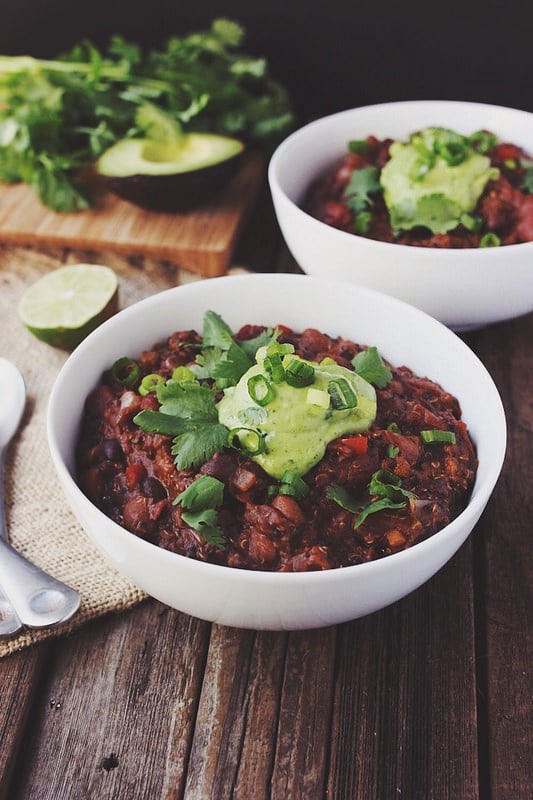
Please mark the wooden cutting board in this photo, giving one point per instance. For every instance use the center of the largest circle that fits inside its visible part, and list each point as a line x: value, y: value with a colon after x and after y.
x: 201, y: 241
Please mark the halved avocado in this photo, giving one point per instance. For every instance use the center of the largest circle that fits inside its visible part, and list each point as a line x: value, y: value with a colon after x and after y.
x: 170, y: 176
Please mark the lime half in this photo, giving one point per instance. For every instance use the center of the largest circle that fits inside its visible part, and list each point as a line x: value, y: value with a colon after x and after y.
x: 65, y: 305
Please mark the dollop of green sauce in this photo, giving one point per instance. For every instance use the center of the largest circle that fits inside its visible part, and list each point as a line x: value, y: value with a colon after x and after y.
x: 298, y: 422
x: 433, y: 180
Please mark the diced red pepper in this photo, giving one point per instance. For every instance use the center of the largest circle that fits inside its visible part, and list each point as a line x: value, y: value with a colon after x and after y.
x: 135, y: 473
x: 357, y: 444
x: 507, y: 151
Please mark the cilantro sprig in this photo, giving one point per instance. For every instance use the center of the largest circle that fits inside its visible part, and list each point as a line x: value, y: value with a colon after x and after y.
x: 363, y: 184
x: 222, y: 358
x: 385, y: 491
x: 188, y: 408
x: 188, y: 413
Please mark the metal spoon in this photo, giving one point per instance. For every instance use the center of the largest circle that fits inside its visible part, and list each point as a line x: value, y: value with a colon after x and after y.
x: 30, y: 596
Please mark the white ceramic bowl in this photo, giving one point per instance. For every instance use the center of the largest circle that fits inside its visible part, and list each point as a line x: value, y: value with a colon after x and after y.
x: 265, y: 600
x: 462, y: 288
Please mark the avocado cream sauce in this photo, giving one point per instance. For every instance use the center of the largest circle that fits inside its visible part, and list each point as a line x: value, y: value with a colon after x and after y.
x: 421, y: 188
x: 297, y: 423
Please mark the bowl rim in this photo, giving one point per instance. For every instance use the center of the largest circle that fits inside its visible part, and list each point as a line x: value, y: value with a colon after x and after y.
x: 462, y: 525
x: 276, y: 183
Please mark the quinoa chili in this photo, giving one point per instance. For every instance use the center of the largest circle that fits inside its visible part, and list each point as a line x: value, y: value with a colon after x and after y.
x: 326, y: 518
x: 503, y: 214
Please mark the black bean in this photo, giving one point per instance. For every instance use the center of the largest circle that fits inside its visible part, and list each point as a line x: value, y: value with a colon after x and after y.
x: 112, y: 450
x: 154, y: 488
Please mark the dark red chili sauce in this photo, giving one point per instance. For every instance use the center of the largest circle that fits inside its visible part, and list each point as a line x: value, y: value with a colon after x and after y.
x: 131, y: 476
x: 504, y: 209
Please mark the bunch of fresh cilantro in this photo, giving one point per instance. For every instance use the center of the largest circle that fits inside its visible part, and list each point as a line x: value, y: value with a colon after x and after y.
x: 57, y: 117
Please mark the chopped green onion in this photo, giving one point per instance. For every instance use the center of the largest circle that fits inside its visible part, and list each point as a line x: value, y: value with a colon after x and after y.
x: 490, y: 240
x: 392, y: 451
x: 342, y: 395
x: 482, y: 141
x: 150, y: 383
x: 247, y: 439
x: 260, y: 390
x: 274, y: 367
x: 430, y: 437
x: 125, y: 371
x: 299, y: 373
x: 510, y: 163
x: 183, y: 374
x: 293, y: 485
x: 358, y: 146
x: 453, y: 152
x: 278, y: 348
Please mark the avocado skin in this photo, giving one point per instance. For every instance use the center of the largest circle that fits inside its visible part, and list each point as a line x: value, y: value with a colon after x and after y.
x: 183, y: 191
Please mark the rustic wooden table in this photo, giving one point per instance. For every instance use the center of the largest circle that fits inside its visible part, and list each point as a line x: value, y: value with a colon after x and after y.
x: 429, y: 699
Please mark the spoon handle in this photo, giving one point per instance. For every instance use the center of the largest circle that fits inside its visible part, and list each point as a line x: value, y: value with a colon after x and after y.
x: 38, y: 598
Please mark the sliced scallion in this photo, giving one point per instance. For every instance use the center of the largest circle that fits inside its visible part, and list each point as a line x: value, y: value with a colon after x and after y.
x: 274, y: 367
x: 150, y: 383
x: 299, y: 373
x: 248, y: 440
x: 183, y: 374
x: 342, y: 394
x: 260, y: 390
x: 125, y: 371
x: 433, y: 436
x: 490, y: 240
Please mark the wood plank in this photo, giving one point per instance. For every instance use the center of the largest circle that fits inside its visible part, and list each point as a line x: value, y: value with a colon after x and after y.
x: 201, y: 241
x: 234, y: 741
x: 405, y: 696
x: 116, y: 712
x: 19, y: 678
x: 506, y: 572
x: 305, y: 717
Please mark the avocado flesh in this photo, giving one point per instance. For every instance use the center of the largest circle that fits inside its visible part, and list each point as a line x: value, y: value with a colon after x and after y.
x: 177, y: 176
x: 147, y: 157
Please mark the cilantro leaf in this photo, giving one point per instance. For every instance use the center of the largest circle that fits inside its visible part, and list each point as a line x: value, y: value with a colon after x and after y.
x: 263, y: 339
x: 369, y: 365
x: 231, y: 366
x: 216, y: 332
x: 201, y: 499
x: 363, y: 183
x: 221, y: 358
x: 197, y: 442
x: 188, y: 400
x: 343, y: 498
x: 377, y: 505
x: 156, y: 422
x: 204, y: 492
x: 205, y: 522
x: 386, y: 484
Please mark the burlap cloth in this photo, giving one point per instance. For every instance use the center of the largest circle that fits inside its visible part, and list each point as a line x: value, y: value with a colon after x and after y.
x: 39, y: 522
